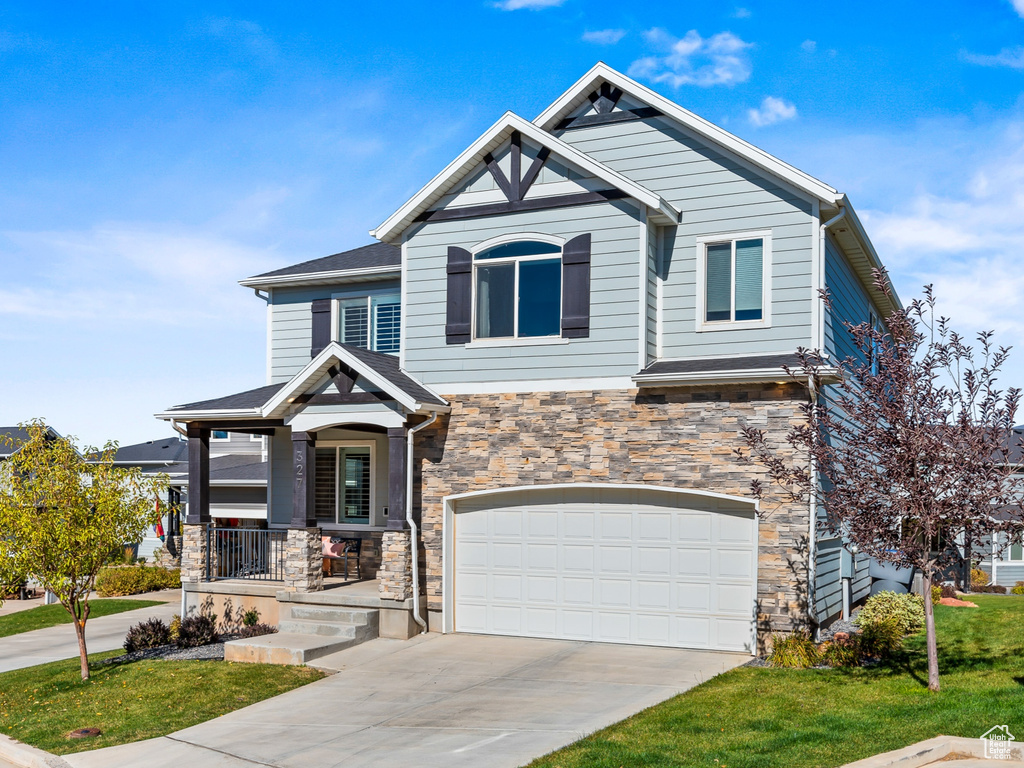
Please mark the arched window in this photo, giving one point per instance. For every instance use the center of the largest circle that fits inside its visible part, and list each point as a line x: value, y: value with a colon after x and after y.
x: 517, y: 290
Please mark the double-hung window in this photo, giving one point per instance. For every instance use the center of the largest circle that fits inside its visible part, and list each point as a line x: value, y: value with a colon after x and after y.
x: 371, y: 322
x: 733, y: 278
x: 517, y: 291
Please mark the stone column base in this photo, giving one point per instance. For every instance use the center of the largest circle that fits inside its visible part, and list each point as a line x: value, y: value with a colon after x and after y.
x: 395, y: 572
x: 303, y: 560
x: 193, y: 553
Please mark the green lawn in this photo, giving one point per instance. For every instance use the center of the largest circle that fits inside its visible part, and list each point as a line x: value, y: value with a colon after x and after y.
x: 51, y: 615
x: 758, y: 717
x: 130, y: 702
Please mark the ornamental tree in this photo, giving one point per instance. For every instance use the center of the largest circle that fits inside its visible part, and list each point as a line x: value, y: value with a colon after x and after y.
x: 906, y: 445
x: 63, y: 515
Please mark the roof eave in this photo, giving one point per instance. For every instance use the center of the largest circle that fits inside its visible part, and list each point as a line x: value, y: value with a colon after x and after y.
x: 740, y: 376
x: 321, y: 278
x: 197, y: 415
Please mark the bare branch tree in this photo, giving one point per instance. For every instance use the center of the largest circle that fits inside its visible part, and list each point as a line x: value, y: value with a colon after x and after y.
x: 908, y: 445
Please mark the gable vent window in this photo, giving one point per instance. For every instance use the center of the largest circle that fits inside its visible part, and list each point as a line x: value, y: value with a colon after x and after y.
x: 372, y: 322
x: 518, y: 290
x: 733, y: 278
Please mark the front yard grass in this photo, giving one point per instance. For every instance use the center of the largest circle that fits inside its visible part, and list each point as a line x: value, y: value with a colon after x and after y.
x: 133, y: 701
x: 51, y: 615
x: 760, y: 717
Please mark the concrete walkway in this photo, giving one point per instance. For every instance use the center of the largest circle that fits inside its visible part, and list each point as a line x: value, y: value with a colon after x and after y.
x: 104, y: 633
x: 451, y: 700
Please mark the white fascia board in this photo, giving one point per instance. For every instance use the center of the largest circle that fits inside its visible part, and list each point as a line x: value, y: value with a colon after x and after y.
x: 577, y: 94
x: 227, y: 415
x: 751, y: 375
x: 869, y: 249
x: 322, y: 278
x: 491, y: 139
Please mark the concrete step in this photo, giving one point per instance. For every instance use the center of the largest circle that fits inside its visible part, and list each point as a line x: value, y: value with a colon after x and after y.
x: 321, y: 628
x: 337, y: 597
x: 285, y: 648
x: 324, y: 613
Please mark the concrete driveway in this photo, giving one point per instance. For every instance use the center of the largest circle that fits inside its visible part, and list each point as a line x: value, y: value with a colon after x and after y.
x: 438, y: 700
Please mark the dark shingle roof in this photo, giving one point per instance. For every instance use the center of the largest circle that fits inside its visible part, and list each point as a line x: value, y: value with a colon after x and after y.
x: 251, y: 471
x: 251, y: 398
x: 717, y: 364
x: 17, y: 435
x: 387, y: 366
x: 364, y: 257
x: 169, y: 449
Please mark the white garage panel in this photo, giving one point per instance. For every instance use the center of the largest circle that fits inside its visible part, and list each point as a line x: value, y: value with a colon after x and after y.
x: 620, y: 566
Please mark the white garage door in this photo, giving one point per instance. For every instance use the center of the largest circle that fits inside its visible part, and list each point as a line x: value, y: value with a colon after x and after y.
x: 621, y: 566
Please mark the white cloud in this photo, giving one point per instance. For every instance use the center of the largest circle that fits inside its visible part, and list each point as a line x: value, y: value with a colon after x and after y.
x: 772, y: 110
x: 694, y: 60
x: 530, y: 5
x: 603, y: 36
x: 742, y: 13
x: 1008, y: 57
x: 811, y: 46
x: 1018, y: 6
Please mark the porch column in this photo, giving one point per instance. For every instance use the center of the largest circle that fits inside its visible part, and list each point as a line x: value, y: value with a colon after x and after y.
x: 198, y: 476
x: 303, y: 480
x: 303, y: 553
x: 397, y: 478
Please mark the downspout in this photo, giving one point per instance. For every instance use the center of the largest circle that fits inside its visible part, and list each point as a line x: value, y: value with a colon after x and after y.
x: 812, y: 545
x: 414, y: 544
x: 179, y: 430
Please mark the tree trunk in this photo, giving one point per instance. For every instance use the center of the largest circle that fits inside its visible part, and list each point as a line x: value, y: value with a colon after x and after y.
x: 80, y: 632
x: 929, y: 629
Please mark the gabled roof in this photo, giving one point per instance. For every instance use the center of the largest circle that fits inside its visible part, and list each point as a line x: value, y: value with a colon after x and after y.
x: 379, y: 371
x: 367, y: 261
x: 493, y: 138
x: 375, y: 371
x: 18, y: 435
x: 165, y: 451
x: 602, y: 73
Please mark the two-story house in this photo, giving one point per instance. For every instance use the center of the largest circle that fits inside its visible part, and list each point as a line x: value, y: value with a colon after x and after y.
x: 524, y: 398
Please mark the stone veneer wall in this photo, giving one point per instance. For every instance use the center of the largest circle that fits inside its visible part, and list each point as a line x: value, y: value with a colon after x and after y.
x: 671, y: 437
x: 395, y: 572
x: 193, y: 553
x: 303, y: 560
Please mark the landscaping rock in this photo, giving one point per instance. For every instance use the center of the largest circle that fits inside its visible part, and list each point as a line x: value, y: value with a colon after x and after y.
x: 210, y: 652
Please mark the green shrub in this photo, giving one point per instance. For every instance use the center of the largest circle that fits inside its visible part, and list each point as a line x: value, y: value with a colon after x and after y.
x: 795, y: 651
x: 841, y: 653
x: 907, y: 609
x: 936, y: 594
x: 978, y: 578
x: 251, y: 618
x: 255, y: 630
x: 196, y: 630
x: 116, y: 581
x: 1019, y: 589
x: 147, y: 634
x: 174, y: 628
x: 882, y: 639
x: 989, y: 589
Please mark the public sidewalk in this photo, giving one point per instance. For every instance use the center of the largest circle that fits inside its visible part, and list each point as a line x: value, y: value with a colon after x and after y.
x: 104, y: 633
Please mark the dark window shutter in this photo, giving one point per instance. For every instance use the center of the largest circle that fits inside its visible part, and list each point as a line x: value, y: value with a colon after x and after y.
x: 576, y: 288
x: 321, y: 335
x: 460, y: 296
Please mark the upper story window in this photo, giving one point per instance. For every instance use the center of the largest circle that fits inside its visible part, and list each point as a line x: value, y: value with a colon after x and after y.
x: 733, y: 280
x: 371, y: 322
x: 518, y: 290
x: 219, y: 434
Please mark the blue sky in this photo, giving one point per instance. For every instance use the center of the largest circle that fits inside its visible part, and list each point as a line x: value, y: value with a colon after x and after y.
x: 153, y: 154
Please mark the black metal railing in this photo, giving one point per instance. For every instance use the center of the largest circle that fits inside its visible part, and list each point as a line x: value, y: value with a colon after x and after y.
x: 245, y: 553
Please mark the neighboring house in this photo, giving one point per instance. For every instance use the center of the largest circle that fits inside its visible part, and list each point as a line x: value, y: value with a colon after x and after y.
x: 1003, y: 558
x: 12, y: 437
x: 525, y: 398
x: 238, y: 480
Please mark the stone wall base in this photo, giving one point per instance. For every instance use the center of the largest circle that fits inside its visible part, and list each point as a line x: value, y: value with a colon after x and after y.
x: 395, y: 572
x: 303, y: 560
x: 193, y: 553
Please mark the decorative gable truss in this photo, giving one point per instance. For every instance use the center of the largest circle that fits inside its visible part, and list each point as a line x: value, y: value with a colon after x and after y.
x: 515, y: 185
x: 605, y: 108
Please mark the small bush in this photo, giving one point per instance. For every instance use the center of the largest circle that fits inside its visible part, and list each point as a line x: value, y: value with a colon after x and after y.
x: 255, y: 630
x: 936, y: 594
x: 134, y: 580
x: 175, y: 627
x: 841, y: 653
x: 978, y: 578
x: 147, y: 634
x: 882, y: 639
x: 907, y: 609
x: 990, y: 589
x: 251, y: 618
x: 795, y: 651
x: 195, y: 631
x: 1019, y: 589
x: 948, y: 590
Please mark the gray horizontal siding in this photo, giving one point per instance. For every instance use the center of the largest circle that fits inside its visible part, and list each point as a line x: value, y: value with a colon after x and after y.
x: 290, y: 321
x: 716, y: 195
x: 828, y: 595
x: 1008, y: 574
x: 611, y: 349
x: 850, y: 302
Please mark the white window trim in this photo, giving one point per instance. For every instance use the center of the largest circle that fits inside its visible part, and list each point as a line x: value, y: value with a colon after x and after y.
x: 336, y: 303
x: 515, y: 339
x: 337, y: 470
x: 220, y: 439
x: 703, y: 241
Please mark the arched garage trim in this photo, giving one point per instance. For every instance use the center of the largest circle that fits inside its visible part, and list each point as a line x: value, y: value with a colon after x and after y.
x: 725, y: 502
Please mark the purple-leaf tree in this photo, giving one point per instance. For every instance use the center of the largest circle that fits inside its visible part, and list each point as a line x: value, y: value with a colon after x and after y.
x: 906, y: 446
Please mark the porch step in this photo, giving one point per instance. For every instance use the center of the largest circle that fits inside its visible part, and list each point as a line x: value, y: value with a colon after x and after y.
x: 285, y: 648
x: 326, y: 613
